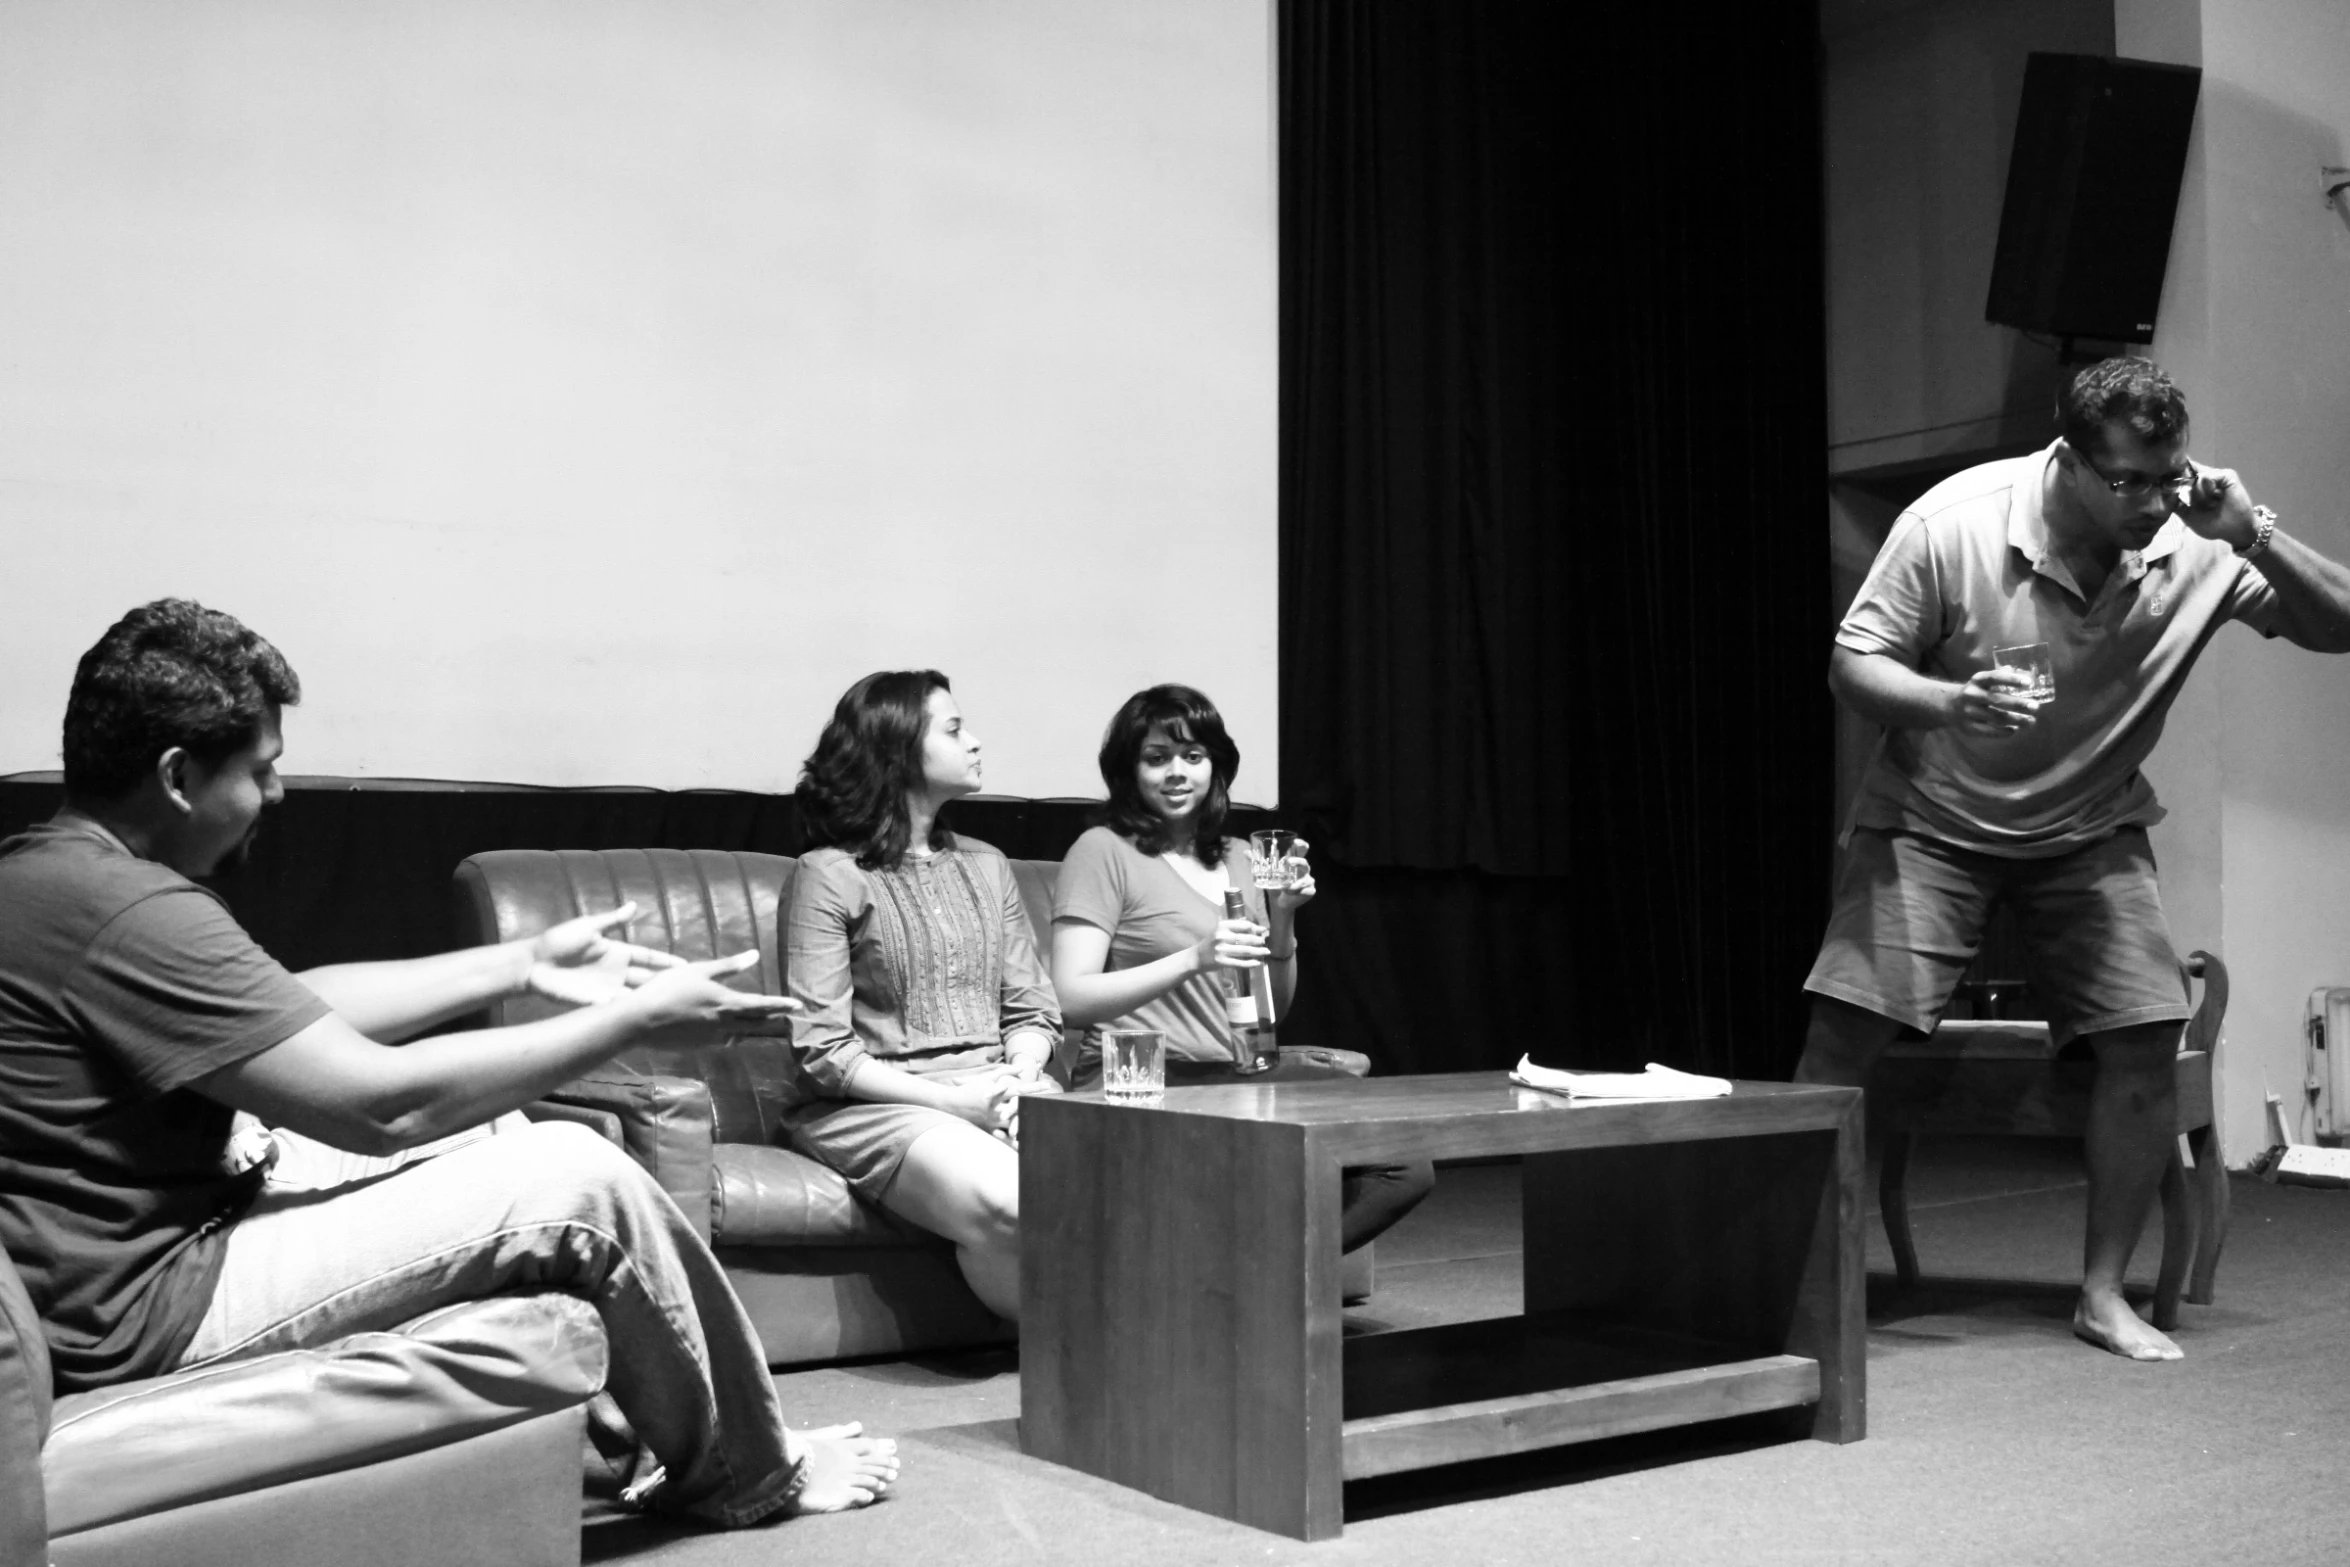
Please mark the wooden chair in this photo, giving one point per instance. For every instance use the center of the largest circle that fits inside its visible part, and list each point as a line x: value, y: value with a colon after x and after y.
x: 2003, y: 1077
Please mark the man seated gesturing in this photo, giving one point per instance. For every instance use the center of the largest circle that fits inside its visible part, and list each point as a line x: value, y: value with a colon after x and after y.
x: 136, y: 1016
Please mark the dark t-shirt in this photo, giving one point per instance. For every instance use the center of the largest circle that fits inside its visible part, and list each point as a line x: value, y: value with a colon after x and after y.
x: 121, y: 981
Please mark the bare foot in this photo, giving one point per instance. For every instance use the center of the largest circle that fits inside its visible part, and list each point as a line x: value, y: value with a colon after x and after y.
x: 846, y: 1469
x: 2107, y: 1321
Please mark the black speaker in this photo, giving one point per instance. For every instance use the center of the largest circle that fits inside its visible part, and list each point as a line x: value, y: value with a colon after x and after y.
x: 2092, y: 187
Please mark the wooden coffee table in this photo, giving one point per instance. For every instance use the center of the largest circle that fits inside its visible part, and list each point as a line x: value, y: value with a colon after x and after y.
x: 1179, y: 1330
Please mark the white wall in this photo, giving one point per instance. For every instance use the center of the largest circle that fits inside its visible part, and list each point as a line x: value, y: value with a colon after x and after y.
x: 2256, y: 325
x: 585, y: 391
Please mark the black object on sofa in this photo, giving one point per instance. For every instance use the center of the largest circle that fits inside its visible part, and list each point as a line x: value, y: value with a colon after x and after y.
x: 823, y: 1275
x: 454, y: 1437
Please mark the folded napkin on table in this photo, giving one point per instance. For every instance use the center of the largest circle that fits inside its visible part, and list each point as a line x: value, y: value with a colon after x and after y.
x: 1658, y: 1082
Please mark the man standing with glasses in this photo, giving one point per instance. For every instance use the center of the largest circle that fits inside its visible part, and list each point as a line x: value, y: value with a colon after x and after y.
x: 2123, y: 556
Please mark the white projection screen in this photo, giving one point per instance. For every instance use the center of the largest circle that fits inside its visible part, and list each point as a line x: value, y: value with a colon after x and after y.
x: 584, y: 393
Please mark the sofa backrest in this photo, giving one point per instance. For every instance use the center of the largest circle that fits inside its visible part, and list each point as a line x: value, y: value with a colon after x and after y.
x: 697, y: 903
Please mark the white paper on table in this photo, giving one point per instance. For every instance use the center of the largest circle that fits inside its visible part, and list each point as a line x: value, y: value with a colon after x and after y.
x: 1657, y: 1082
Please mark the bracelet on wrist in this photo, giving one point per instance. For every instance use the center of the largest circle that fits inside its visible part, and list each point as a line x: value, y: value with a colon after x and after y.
x: 2264, y: 529
x: 1282, y: 956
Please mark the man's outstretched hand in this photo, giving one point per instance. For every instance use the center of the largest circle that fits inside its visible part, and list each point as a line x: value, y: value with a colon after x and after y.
x: 690, y: 995
x: 578, y: 963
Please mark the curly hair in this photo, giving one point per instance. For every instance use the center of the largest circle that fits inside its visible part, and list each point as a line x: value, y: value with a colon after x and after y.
x: 170, y: 673
x: 1185, y: 714
x: 853, y: 786
x: 2135, y: 393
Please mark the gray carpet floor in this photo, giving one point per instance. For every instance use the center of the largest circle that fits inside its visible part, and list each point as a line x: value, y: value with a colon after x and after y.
x: 1994, y: 1437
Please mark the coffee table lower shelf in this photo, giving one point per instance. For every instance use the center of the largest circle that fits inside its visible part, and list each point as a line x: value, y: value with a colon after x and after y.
x: 1519, y: 1384
x: 1491, y: 1427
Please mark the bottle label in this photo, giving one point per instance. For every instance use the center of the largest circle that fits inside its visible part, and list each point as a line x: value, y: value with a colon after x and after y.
x: 1240, y: 1011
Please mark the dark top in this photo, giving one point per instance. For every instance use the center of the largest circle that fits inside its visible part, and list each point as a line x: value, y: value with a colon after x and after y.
x: 121, y: 981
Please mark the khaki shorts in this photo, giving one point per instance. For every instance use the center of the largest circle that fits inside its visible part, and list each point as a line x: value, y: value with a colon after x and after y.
x: 1910, y: 913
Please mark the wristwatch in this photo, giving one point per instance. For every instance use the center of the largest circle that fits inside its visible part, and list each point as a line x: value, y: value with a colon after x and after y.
x: 2264, y: 528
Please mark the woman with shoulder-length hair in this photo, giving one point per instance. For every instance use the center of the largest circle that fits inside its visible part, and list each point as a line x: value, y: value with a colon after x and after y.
x: 1139, y: 934
x: 925, y: 1010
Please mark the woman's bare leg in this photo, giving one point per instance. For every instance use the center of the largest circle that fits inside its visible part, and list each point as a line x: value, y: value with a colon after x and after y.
x: 962, y: 1184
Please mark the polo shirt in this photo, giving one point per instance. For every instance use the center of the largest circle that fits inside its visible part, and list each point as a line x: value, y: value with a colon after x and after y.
x: 1969, y: 569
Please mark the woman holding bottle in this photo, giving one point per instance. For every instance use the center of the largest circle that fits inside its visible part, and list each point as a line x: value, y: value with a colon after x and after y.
x: 925, y: 1010
x: 1140, y: 938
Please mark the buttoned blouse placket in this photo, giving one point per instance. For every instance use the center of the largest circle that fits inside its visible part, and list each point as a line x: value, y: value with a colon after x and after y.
x: 950, y: 1002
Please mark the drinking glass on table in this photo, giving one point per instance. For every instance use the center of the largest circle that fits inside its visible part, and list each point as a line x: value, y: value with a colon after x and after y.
x: 1271, y: 850
x: 2033, y: 661
x: 1134, y: 1063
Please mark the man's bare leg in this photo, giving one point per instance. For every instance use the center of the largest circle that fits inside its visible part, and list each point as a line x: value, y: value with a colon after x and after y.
x: 1842, y: 1044
x: 2133, y: 1120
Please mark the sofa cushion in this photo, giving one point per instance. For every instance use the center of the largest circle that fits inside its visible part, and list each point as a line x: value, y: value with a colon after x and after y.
x: 664, y: 1124
x: 821, y: 1303
x: 775, y: 1197
x: 168, y: 1441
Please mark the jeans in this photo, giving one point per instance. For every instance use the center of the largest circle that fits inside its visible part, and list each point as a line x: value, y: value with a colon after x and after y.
x: 549, y: 1206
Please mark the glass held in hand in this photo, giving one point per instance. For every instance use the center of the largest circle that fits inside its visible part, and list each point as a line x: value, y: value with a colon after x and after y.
x: 1270, y: 850
x: 2033, y: 662
x: 1134, y: 1063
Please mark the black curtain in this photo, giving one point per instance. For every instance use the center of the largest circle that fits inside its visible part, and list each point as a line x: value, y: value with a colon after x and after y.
x: 1554, y: 613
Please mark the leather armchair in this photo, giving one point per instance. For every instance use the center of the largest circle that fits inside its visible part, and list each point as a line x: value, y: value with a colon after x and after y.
x: 455, y: 1437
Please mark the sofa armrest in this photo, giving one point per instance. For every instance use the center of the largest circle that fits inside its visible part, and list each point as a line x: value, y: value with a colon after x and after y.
x: 24, y: 1425
x: 238, y: 1426
x: 664, y: 1124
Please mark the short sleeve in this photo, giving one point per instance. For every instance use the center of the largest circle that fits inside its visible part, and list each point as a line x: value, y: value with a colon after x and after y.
x: 1898, y: 611
x: 173, y: 988
x: 1092, y: 883
x: 2253, y: 601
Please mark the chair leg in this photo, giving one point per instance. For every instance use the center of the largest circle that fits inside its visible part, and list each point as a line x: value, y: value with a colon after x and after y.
x: 1893, y: 1203
x: 2211, y: 1179
x: 2179, y: 1224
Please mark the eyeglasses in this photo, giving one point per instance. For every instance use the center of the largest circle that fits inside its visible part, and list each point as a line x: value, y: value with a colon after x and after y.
x: 2137, y: 486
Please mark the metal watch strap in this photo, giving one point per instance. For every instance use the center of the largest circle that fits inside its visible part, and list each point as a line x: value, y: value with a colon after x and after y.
x: 2264, y: 521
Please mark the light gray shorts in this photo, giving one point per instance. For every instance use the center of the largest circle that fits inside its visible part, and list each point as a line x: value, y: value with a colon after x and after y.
x: 1910, y: 912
